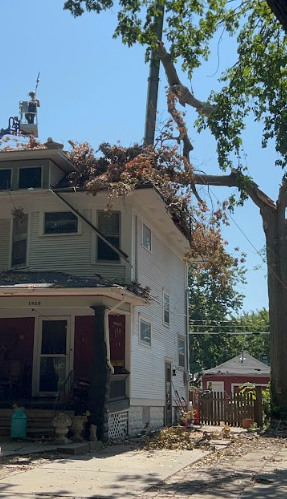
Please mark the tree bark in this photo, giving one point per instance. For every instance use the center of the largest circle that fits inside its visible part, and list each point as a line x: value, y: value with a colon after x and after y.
x: 279, y: 8
x: 275, y: 228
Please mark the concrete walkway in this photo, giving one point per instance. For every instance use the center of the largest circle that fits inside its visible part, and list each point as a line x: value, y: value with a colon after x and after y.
x: 113, y: 473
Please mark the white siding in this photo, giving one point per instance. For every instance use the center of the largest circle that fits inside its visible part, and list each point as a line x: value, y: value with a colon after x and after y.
x: 56, y: 174
x: 161, y: 269
x: 4, y: 243
x: 68, y: 253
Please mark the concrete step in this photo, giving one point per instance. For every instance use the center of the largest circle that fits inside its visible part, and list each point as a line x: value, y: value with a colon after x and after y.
x: 39, y: 422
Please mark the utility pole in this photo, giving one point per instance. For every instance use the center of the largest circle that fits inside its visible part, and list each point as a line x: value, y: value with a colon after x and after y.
x: 153, y: 82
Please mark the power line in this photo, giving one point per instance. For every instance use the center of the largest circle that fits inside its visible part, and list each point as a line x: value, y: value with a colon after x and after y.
x: 228, y: 333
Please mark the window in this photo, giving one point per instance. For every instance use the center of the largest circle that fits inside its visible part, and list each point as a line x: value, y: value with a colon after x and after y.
x: 166, y: 309
x: 145, y: 332
x: 181, y: 352
x: 5, y: 180
x: 109, y: 226
x: 19, y: 241
x: 30, y: 178
x: 60, y: 223
x: 146, y: 239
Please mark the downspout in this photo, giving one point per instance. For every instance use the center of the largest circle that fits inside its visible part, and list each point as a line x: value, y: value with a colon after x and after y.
x: 107, y: 331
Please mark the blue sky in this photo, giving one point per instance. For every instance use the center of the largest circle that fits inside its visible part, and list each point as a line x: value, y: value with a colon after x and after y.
x: 92, y: 88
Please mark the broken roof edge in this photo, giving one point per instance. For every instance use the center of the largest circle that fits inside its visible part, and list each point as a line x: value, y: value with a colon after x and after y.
x: 147, y: 185
x: 16, y: 283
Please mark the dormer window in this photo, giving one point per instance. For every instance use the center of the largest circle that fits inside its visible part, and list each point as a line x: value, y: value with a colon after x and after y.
x: 5, y: 180
x: 30, y: 178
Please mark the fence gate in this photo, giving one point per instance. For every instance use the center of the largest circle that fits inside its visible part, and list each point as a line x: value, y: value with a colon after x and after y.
x: 217, y: 407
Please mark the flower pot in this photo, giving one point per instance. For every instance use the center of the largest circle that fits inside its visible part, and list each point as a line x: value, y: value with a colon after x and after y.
x: 247, y: 423
x: 77, y: 428
x: 61, y: 423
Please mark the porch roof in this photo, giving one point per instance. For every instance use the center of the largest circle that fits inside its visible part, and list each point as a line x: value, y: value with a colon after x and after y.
x: 20, y: 281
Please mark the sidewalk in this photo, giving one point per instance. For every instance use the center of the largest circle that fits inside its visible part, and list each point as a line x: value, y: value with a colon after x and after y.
x: 115, y: 472
x: 261, y: 474
x: 253, y: 468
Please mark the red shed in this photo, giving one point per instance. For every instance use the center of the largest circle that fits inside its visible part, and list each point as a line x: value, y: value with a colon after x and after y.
x: 243, y: 368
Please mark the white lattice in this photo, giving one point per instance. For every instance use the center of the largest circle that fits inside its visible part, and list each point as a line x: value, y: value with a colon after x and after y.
x: 118, y: 425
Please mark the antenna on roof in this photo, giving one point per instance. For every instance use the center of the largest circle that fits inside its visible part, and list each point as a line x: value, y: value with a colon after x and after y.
x: 27, y: 123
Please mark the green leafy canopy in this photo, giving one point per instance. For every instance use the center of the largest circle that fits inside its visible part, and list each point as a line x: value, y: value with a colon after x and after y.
x: 255, y: 85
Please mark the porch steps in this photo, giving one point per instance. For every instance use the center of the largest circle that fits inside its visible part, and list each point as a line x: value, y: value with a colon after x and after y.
x: 39, y: 422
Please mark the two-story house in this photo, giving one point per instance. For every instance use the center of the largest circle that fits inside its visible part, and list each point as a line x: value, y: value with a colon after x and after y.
x: 78, y: 330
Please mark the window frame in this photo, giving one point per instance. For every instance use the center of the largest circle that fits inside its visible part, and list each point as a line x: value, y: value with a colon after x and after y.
x: 143, y: 245
x: 59, y: 234
x: 96, y: 259
x: 20, y: 168
x: 181, y: 338
x: 149, y: 323
x: 165, y: 293
x: 10, y: 181
x: 26, y: 263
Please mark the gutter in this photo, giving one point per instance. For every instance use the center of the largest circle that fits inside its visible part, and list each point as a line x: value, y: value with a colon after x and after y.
x: 120, y: 252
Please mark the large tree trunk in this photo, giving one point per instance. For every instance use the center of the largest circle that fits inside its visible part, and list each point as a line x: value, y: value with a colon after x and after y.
x: 276, y: 248
x: 279, y: 8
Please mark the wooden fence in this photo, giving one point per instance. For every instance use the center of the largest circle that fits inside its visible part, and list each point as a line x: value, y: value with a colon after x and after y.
x: 216, y: 407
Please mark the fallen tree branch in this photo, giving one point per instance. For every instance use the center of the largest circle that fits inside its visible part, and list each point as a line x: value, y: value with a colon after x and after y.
x: 258, y: 197
x: 182, y: 93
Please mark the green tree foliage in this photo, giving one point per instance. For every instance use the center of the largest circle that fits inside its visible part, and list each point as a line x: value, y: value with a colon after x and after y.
x: 212, y: 309
x: 255, y: 85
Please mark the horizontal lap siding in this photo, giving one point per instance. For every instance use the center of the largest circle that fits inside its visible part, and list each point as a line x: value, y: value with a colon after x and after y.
x: 159, y: 270
x: 69, y: 253
x: 4, y: 244
x: 56, y: 174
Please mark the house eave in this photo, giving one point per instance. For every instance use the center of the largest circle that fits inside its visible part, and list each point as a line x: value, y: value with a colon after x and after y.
x: 56, y: 155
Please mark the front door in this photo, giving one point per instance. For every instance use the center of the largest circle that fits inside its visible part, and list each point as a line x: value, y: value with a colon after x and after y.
x: 53, y: 355
x: 168, y: 395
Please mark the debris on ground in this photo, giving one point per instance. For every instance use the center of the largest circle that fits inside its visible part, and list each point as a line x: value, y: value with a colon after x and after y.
x: 182, y: 438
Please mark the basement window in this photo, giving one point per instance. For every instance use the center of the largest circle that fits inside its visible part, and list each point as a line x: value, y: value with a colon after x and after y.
x: 19, y: 242
x: 30, y: 178
x: 60, y: 223
x: 109, y: 226
x: 5, y: 180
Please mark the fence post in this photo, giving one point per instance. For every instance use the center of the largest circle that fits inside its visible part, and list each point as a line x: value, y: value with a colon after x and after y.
x: 258, y: 407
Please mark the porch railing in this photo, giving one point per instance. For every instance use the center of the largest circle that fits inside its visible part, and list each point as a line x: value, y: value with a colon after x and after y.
x: 65, y: 392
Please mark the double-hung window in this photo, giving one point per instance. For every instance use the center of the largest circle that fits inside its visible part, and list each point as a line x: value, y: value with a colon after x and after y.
x: 166, y: 309
x: 109, y: 226
x: 146, y: 237
x: 181, y: 352
x: 19, y: 241
x: 145, y: 332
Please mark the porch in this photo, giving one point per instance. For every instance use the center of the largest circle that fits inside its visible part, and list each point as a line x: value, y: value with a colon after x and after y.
x: 52, y: 361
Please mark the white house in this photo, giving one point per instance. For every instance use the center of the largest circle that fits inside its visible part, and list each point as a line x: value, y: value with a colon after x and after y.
x: 76, y: 323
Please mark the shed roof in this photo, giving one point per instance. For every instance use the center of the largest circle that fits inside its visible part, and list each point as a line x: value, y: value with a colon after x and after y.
x: 241, y: 364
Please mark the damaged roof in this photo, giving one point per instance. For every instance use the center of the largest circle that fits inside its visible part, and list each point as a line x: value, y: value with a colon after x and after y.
x: 18, y: 279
